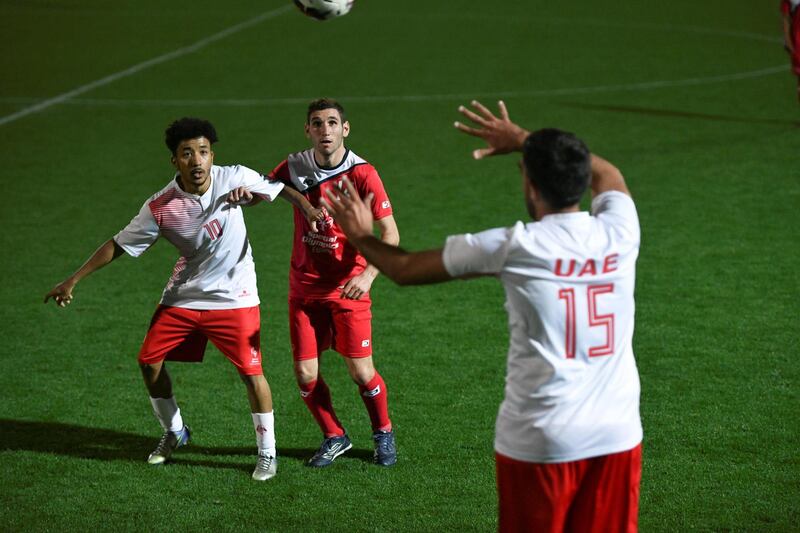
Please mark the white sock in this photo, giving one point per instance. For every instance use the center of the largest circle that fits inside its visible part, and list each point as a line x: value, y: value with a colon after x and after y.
x: 167, y: 413
x: 265, y: 432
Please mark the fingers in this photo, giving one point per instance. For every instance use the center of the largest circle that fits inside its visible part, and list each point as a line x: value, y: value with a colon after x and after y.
x: 474, y: 117
x: 487, y: 115
x: 468, y: 130
x: 480, y: 153
x: 503, y: 111
x: 61, y: 299
x: 352, y: 193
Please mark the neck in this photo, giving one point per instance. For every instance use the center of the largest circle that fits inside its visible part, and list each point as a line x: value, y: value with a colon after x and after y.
x: 191, y: 188
x: 332, y: 160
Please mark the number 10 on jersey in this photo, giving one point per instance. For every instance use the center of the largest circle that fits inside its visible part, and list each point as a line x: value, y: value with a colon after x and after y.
x: 594, y: 320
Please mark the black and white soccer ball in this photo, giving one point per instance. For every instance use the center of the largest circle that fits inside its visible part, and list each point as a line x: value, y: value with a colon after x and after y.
x: 324, y: 9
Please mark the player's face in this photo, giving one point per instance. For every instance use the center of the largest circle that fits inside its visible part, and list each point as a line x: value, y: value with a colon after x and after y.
x: 326, y: 131
x: 193, y: 159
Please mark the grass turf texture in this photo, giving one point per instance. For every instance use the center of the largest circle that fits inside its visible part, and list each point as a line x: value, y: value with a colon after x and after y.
x: 710, y: 153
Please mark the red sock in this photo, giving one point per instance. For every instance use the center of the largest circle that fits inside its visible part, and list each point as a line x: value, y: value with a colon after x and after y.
x: 376, y: 400
x: 317, y: 396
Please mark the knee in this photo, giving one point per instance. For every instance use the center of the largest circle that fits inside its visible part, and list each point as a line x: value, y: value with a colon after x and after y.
x: 362, y: 375
x: 254, y: 382
x: 305, y: 374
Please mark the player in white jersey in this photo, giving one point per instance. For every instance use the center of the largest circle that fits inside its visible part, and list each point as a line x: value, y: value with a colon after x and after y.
x: 568, y: 433
x: 212, y: 293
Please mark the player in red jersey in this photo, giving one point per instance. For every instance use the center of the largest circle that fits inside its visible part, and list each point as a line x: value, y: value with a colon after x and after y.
x: 329, y: 282
x: 791, y: 35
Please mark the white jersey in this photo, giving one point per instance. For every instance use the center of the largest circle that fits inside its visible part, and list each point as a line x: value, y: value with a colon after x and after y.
x: 572, y: 387
x: 215, y: 269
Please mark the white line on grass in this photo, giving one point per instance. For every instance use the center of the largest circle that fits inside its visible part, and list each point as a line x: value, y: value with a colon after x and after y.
x: 144, y: 65
x: 245, y: 102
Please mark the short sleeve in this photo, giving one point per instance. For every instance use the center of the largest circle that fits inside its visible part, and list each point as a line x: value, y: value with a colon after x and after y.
x: 618, y: 210
x: 371, y: 183
x: 257, y: 184
x: 479, y: 253
x: 281, y: 172
x: 139, y: 234
x: 785, y: 7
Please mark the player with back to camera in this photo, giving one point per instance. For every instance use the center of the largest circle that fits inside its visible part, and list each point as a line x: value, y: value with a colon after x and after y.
x: 568, y: 432
x: 329, y: 283
x: 790, y: 9
x: 212, y: 292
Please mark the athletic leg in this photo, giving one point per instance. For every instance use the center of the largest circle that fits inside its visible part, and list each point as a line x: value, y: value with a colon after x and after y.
x: 172, y: 333
x: 237, y: 334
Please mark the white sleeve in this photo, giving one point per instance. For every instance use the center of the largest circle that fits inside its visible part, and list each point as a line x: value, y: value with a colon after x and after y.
x: 479, y: 253
x: 258, y: 185
x: 140, y: 233
x: 618, y: 210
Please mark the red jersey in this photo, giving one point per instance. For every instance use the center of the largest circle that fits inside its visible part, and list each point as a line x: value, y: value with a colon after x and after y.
x: 324, y: 260
x: 791, y: 9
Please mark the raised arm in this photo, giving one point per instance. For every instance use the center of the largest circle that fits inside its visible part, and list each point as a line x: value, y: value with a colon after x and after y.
x: 62, y: 293
x: 504, y: 136
x: 606, y: 177
x: 244, y: 197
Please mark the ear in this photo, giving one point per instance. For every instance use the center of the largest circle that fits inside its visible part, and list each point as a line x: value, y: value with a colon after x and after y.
x: 174, y: 161
x: 306, y: 129
x: 346, y: 128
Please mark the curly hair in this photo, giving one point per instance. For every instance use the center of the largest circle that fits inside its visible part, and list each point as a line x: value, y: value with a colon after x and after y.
x: 188, y: 128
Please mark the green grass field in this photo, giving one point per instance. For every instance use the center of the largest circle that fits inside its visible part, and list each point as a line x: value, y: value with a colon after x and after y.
x: 694, y: 101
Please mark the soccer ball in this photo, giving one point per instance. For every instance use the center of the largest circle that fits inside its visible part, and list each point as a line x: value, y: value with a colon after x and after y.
x: 324, y: 9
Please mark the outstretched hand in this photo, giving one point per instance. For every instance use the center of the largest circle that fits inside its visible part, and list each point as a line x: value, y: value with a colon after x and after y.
x: 502, y: 135
x: 349, y: 211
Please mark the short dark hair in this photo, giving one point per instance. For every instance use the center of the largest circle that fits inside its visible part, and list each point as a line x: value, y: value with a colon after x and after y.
x: 188, y: 128
x: 558, y: 164
x: 321, y: 104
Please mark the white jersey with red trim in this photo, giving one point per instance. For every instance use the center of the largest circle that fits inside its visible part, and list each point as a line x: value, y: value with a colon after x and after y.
x: 572, y: 386
x: 215, y: 269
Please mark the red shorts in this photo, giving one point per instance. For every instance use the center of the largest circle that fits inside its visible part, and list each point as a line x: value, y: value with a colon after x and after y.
x: 596, y: 494
x: 178, y: 334
x: 344, y: 325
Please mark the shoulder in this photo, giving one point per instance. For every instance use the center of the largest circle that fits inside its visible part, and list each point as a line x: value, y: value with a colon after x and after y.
x: 163, y: 196
x: 232, y: 173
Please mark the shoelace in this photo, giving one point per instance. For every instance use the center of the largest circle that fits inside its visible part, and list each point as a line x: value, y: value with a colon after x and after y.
x: 264, y: 462
x: 384, y: 443
x: 163, y: 444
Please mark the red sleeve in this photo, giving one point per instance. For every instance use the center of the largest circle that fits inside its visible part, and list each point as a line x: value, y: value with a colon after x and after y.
x: 370, y: 182
x: 281, y: 173
x: 786, y: 9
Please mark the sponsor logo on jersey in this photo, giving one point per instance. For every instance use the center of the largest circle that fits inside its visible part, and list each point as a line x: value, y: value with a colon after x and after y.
x: 365, y: 343
x: 385, y: 204
x: 372, y: 393
x: 305, y: 394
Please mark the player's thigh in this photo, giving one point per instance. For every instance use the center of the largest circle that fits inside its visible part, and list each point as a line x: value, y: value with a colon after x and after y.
x: 310, y: 328
x: 237, y: 334
x: 534, y: 496
x: 352, y: 327
x: 608, y: 498
x: 174, y: 334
